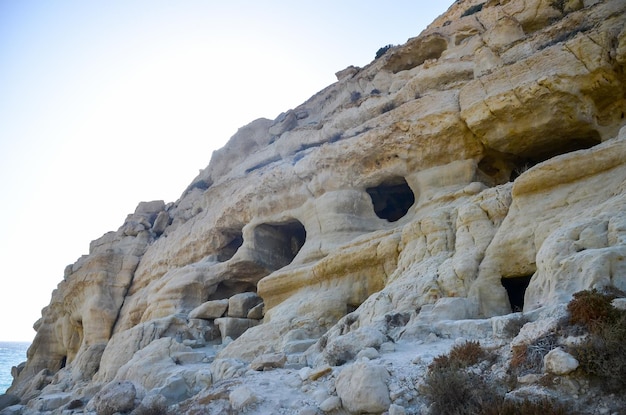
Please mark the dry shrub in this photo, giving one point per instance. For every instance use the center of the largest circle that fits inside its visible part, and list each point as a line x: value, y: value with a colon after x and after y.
x: 527, y: 407
x: 518, y: 357
x: 453, y: 391
x: 460, y: 356
x: 513, y: 326
x: 591, y: 308
x: 154, y: 409
x: 528, y: 358
x: 468, y: 353
x: 603, y: 353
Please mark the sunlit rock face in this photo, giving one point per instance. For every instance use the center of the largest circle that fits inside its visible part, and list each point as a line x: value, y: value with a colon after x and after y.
x: 481, y: 163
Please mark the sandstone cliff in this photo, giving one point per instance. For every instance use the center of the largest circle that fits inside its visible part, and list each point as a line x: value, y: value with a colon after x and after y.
x: 475, y: 171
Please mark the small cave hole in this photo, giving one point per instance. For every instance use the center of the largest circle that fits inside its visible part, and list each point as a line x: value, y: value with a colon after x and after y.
x: 279, y: 243
x: 516, y: 288
x: 547, y: 152
x: 63, y: 362
x: 391, y: 199
x: 351, y: 308
x: 227, y: 289
x: 229, y: 250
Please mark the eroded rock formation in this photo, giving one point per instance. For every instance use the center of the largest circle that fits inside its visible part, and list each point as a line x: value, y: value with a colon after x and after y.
x: 487, y: 154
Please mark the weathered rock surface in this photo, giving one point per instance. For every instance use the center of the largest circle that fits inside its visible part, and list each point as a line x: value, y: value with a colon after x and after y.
x: 476, y: 170
x: 362, y: 388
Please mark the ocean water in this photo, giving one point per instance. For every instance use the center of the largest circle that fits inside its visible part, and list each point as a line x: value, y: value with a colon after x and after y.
x: 11, y: 354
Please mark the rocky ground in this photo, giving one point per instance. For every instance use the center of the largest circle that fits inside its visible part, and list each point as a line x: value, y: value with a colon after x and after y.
x: 461, y: 188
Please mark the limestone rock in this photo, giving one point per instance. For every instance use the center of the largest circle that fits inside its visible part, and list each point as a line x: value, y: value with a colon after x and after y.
x: 114, y: 397
x: 330, y: 404
x: 234, y: 327
x: 559, y: 362
x: 210, y: 310
x: 362, y: 387
x: 256, y: 312
x: 345, y: 348
x: 269, y: 361
x: 168, y: 368
x: 481, y: 171
x: 7, y: 399
x: 239, y: 305
x: 242, y: 397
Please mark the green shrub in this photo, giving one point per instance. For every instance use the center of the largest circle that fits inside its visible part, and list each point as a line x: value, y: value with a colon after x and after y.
x: 355, y: 96
x: 380, y: 52
x: 387, y: 107
x: 473, y: 10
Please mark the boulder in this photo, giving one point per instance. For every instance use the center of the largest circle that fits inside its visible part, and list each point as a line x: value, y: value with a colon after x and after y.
x: 559, y: 362
x: 330, y: 404
x: 232, y: 327
x: 241, y: 397
x: 116, y: 396
x: 269, y: 361
x: 8, y: 399
x: 240, y: 304
x: 210, y: 310
x: 257, y: 312
x: 363, y: 388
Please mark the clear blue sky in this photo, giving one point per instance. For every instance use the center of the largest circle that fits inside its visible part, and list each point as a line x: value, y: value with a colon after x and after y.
x: 104, y: 104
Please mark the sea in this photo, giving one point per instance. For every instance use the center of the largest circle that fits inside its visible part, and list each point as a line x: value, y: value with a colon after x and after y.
x: 11, y: 354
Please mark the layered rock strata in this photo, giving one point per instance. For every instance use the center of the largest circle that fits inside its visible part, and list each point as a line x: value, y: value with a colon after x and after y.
x: 477, y: 170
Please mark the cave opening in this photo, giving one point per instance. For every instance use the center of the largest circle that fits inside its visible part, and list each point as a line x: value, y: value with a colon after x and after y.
x: 228, y: 288
x: 392, y: 199
x: 235, y: 238
x: 502, y: 167
x: 582, y: 142
x: 516, y: 289
x: 279, y: 243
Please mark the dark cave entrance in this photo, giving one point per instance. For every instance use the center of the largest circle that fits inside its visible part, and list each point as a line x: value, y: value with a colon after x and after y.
x: 235, y: 238
x: 503, y: 167
x: 516, y: 289
x: 227, y: 289
x: 392, y: 199
x: 279, y: 243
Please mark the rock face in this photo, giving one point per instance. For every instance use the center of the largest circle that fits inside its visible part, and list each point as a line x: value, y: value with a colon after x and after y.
x: 477, y: 170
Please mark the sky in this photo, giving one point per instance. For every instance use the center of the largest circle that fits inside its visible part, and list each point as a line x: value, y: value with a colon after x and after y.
x: 107, y: 103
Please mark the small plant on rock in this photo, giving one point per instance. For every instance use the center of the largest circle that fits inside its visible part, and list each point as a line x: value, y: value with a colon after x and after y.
x: 602, y: 354
x: 387, y: 107
x: 528, y: 358
x: 153, y: 409
x: 591, y: 308
x: 454, y: 391
x: 472, y: 10
x: 460, y: 356
x: 380, y: 52
x: 527, y: 407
